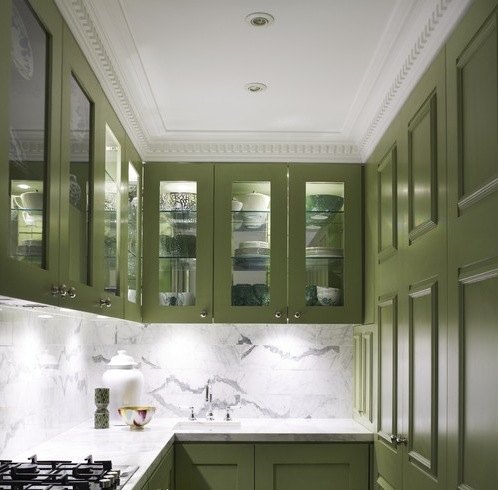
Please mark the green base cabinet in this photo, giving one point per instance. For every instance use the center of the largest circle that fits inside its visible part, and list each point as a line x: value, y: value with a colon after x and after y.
x: 312, y: 466
x: 288, y: 466
x: 163, y: 477
x: 214, y: 466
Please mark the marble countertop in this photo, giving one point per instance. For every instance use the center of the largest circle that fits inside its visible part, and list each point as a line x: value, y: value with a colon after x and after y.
x: 147, y: 447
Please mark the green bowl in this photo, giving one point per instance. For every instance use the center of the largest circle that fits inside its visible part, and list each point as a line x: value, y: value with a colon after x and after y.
x: 327, y: 203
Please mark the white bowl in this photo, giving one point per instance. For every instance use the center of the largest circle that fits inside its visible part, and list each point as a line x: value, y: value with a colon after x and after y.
x: 328, y: 296
x: 254, y: 201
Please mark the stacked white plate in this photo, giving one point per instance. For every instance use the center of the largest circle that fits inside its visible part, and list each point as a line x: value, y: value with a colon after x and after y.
x: 324, y: 252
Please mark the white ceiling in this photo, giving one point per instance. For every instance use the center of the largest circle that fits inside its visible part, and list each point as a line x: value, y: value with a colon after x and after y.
x: 336, y: 72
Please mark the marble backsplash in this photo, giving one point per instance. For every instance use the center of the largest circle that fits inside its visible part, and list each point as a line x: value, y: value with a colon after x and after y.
x: 50, y: 366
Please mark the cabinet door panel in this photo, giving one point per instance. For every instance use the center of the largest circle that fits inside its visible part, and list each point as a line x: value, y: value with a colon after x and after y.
x: 30, y: 128
x: 214, y: 466
x: 325, y: 244
x: 311, y: 466
x: 472, y: 66
x: 178, y: 243
x: 81, y: 141
x: 478, y: 418
x: 250, y: 252
x: 163, y: 477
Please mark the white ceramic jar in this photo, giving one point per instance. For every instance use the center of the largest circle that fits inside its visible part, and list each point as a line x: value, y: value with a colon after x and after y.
x: 125, y: 383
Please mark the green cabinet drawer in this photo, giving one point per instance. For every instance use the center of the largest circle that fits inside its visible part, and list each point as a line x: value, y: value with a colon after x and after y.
x: 163, y: 477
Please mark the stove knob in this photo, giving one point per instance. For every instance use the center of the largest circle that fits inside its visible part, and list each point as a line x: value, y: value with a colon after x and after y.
x: 111, y: 477
x: 105, y: 483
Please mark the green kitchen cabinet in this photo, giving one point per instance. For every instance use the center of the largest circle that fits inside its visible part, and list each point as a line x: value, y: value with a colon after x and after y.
x: 300, y: 260
x: 54, y: 137
x: 411, y: 288
x: 214, y: 466
x: 30, y: 127
x: 163, y: 477
x: 275, y: 243
x: 250, y: 251
x: 178, y: 243
x: 284, y: 466
x: 340, y: 466
x: 325, y: 265
x: 472, y: 113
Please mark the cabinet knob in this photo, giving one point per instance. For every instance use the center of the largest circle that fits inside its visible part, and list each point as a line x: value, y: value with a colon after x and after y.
x: 204, y: 313
x: 401, y: 440
x: 71, y: 293
x: 297, y: 314
x: 278, y: 314
x: 107, y: 303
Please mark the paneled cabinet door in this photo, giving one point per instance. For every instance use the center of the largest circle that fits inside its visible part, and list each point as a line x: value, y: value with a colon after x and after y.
x: 30, y: 94
x: 325, y: 244
x: 214, y: 466
x: 312, y: 466
x: 472, y: 81
x: 411, y: 315
x: 163, y: 477
x: 178, y: 243
x: 250, y: 251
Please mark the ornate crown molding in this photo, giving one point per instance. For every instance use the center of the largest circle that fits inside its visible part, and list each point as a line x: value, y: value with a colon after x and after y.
x: 392, y: 89
x: 253, y: 151
x: 438, y: 26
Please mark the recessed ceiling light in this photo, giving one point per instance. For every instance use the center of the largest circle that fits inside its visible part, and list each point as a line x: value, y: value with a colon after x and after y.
x: 255, y: 87
x: 23, y: 186
x: 260, y: 19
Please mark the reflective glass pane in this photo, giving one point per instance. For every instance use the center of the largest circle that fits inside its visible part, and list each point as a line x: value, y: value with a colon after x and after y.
x: 324, y: 244
x: 111, y: 211
x: 79, y: 184
x: 177, y: 243
x: 28, y: 136
x: 133, y: 233
x: 251, y: 243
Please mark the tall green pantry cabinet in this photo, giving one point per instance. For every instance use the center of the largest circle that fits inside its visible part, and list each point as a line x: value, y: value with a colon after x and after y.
x: 411, y: 278
x: 472, y: 81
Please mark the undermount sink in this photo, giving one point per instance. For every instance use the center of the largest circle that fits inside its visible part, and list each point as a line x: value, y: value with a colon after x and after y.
x: 207, y: 425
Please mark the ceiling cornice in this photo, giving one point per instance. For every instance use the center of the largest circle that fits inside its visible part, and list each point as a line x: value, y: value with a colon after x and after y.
x: 441, y: 18
x: 426, y: 29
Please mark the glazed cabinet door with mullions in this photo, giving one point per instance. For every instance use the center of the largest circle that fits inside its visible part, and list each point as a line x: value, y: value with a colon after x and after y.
x: 178, y: 243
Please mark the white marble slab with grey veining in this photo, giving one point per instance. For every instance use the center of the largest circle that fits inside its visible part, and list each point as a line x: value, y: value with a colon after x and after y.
x: 147, y: 447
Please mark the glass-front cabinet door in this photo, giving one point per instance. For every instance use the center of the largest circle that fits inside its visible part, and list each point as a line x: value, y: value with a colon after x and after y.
x: 325, y: 243
x: 132, y: 233
x: 178, y: 243
x: 250, y: 243
x: 30, y: 53
x: 82, y: 98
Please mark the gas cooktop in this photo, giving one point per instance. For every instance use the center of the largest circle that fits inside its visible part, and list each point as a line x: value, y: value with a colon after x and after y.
x: 61, y: 475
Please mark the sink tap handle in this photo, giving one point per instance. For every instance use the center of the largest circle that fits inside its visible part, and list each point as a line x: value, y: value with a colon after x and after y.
x: 228, y: 416
x: 192, y: 416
